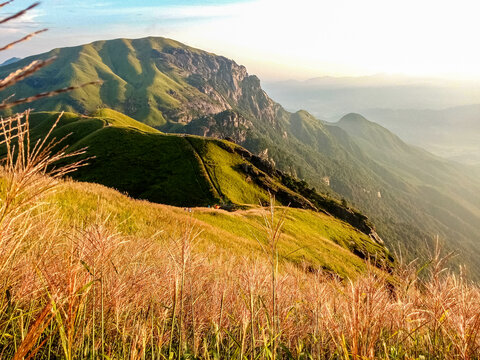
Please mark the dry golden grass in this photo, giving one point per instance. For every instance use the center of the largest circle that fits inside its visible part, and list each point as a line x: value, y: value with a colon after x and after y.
x: 111, y: 296
x: 88, y: 290
x: 91, y: 291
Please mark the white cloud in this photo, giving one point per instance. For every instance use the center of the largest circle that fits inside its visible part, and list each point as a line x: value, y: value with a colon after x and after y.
x: 26, y: 22
x: 176, y: 12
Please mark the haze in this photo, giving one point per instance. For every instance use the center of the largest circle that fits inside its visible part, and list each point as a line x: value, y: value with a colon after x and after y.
x: 279, y: 39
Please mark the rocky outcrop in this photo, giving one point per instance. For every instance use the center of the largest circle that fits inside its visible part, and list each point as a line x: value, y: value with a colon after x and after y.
x: 228, y: 125
x: 201, y: 68
x: 225, y: 82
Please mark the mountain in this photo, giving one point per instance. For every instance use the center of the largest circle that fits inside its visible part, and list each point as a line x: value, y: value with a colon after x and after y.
x: 175, y: 88
x: 443, y: 188
x: 184, y: 170
x: 10, y: 61
x: 442, y: 116
x: 452, y: 133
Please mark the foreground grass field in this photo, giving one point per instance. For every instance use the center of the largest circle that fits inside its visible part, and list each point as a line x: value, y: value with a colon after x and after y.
x: 88, y: 273
x: 106, y: 276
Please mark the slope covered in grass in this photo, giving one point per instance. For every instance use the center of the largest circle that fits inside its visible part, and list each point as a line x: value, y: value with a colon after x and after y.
x: 92, y: 273
x: 309, y: 238
x: 176, y: 88
x: 448, y: 190
x: 180, y: 170
x: 134, y: 84
x: 145, y: 163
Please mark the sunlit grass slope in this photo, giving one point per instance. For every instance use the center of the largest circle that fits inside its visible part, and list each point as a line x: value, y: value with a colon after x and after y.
x: 190, y: 171
x: 310, y: 239
x: 180, y: 170
x: 145, y: 163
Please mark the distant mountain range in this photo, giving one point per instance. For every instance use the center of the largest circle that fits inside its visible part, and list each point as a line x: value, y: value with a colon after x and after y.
x: 442, y: 116
x: 409, y: 194
x: 330, y: 98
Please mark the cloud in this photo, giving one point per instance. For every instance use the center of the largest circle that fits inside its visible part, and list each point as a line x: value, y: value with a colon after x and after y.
x: 28, y: 21
x: 17, y: 28
x: 176, y: 12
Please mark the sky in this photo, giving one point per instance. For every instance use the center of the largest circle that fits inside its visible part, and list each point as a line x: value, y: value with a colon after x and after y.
x: 276, y: 39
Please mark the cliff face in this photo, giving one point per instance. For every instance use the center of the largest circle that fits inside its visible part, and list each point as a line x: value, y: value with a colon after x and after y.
x: 222, y: 80
x: 229, y: 125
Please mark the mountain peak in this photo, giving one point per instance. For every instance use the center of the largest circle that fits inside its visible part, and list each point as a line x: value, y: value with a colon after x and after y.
x: 359, y: 127
x: 10, y: 61
x: 355, y: 118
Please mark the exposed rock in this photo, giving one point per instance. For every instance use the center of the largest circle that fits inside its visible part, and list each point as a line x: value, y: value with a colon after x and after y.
x: 326, y: 180
x: 375, y: 237
x: 226, y: 84
x: 227, y: 124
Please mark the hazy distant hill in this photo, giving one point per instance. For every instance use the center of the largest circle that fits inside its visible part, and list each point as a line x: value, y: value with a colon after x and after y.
x: 438, y: 115
x: 453, y: 133
x: 409, y: 194
x: 10, y: 61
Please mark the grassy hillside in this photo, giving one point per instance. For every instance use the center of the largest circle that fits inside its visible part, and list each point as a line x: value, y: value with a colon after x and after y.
x: 439, y: 187
x: 181, y: 170
x: 141, y: 163
x: 148, y: 164
x: 309, y: 238
x: 179, y: 89
x: 88, y: 272
x: 135, y: 80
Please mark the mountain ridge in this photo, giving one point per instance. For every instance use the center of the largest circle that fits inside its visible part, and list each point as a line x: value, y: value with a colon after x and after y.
x: 451, y: 133
x: 223, y: 173
x: 180, y: 90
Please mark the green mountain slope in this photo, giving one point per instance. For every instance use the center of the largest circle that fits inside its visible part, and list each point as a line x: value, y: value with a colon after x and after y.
x: 435, y: 186
x: 148, y: 164
x: 310, y: 240
x: 179, y: 89
x: 138, y: 82
x: 182, y: 170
